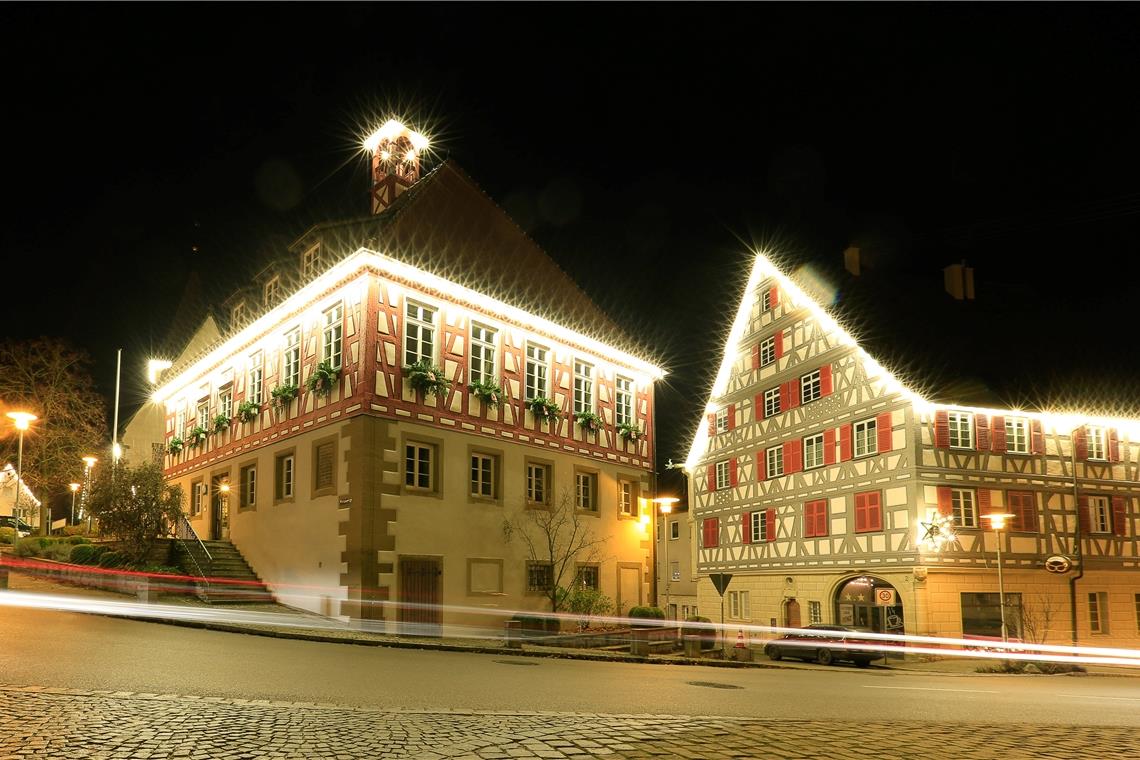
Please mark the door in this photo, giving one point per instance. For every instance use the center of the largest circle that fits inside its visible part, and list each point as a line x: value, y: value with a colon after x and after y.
x: 792, y: 614
x: 629, y: 587
x: 419, y: 612
x: 220, y: 509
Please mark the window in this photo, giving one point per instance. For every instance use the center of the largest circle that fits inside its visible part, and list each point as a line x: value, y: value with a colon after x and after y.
x: 961, y: 430
x: 237, y: 314
x: 738, y: 606
x: 482, y: 354
x: 1098, y: 612
x: 623, y: 400
x: 813, y: 451
x: 674, y: 530
x: 419, y: 333
x: 585, y: 491
x: 866, y: 441
x: 417, y: 466
x: 674, y: 570
x: 536, y: 366
x: 197, y: 494
x: 334, y: 327
x: 589, y: 577
x: 710, y: 532
x: 815, y: 612
x: 1016, y: 435
x: 284, y: 474
x: 815, y: 518
x: 311, y: 262
x: 757, y: 526
x: 1096, y: 443
x: 722, y: 420
x: 226, y: 403
x: 291, y: 359
x: 771, y: 402
x: 768, y: 351
x: 963, y: 506
x: 324, y: 466
x: 1136, y: 602
x: 483, y: 476
x: 625, y: 498
x: 204, y: 414
x: 272, y: 290
x: 810, y: 387
x: 248, y: 486
x: 869, y: 512
x: 722, y: 480
x: 1022, y: 505
x: 1100, y: 514
x: 583, y: 387
x: 766, y: 300
x: 537, y: 483
x: 775, y: 461
x: 539, y: 576
x: 180, y: 423
x: 981, y: 614
x: 253, y: 392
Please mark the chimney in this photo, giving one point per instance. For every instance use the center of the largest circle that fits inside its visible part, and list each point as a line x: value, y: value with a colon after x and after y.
x: 959, y: 280
x: 395, y: 153
x: 851, y: 260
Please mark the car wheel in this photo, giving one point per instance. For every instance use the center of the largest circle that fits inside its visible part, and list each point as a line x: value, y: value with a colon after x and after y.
x: 862, y: 662
x: 773, y: 653
x: 823, y: 657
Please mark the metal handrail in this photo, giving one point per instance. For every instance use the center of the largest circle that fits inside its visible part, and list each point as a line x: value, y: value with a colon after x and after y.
x: 184, y: 532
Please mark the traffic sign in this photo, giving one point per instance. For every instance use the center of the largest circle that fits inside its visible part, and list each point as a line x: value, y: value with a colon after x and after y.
x: 885, y: 597
x: 721, y: 581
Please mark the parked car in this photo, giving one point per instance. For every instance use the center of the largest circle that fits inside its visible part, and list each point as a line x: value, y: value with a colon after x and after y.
x: 7, y: 521
x: 823, y: 643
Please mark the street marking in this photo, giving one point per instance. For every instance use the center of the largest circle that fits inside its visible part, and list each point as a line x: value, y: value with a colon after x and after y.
x: 1097, y: 696
x: 924, y: 688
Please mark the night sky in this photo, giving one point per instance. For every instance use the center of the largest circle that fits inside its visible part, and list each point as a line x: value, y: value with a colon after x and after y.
x: 644, y: 147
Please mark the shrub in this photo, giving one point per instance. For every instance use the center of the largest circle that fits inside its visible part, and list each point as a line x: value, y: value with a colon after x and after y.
x: 649, y: 613
x: 60, y: 551
x: 75, y: 530
x: 75, y: 540
x: 28, y: 547
x: 585, y: 602
x: 83, y: 554
x: 98, y: 552
x: 539, y: 623
x: 7, y: 535
x: 111, y: 559
x: 708, y: 635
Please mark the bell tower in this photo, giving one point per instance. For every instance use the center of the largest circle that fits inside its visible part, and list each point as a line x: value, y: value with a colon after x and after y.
x: 396, y: 151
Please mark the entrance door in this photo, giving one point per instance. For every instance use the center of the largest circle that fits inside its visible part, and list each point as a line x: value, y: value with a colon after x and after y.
x: 791, y: 614
x: 629, y: 587
x: 857, y: 604
x: 219, y: 509
x: 419, y: 612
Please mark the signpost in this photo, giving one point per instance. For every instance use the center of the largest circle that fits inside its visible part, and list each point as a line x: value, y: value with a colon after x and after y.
x: 720, y: 581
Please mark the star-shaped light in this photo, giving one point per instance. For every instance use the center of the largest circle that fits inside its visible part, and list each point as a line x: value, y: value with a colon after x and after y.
x: 937, y: 532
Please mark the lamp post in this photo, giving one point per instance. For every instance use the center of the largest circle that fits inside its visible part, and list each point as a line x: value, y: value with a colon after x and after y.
x: 224, y: 517
x: 88, y: 463
x: 22, y: 420
x: 74, y: 487
x: 997, y: 523
x: 664, y: 507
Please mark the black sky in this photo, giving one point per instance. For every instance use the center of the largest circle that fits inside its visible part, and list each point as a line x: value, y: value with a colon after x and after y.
x: 641, y: 145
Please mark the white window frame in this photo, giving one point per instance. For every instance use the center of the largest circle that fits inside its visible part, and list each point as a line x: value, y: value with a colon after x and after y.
x: 288, y: 476
x: 961, y: 500
x: 766, y: 299
x: 483, y: 472
x: 961, y: 426
x: 197, y: 498
x: 865, y: 438
x: 722, y: 420
x: 537, y: 483
x: 583, y: 386
x: 180, y: 422
x: 772, y: 402
x: 1100, y: 514
x: 767, y: 351
x: 774, y: 461
x: 623, y: 400
x: 419, y: 332
x: 586, y: 491
x: 815, y: 442
x: 332, y: 342
x: 254, y: 393
x: 237, y: 314
x: 202, y: 416
x: 739, y: 606
x: 483, y: 353
x: 291, y: 358
x: 226, y: 402
x: 758, y: 525
x: 815, y: 613
x: 1098, y: 611
x: 1096, y: 438
x: 271, y: 290
x: 1016, y: 435
x: 414, y: 466
x: 674, y: 530
x: 811, y: 387
x: 310, y: 262
x: 247, y: 477
x: 537, y: 371
x: 626, y: 504
x: 722, y: 480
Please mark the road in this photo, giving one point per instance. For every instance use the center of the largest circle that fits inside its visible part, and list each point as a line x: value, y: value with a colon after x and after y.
x: 118, y: 669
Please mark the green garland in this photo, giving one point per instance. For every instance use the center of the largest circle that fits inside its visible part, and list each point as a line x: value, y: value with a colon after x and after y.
x: 198, y: 436
x: 175, y: 445
x: 425, y: 378
x: 283, y: 394
x: 544, y: 409
x: 248, y: 411
x: 629, y: 431
x: 589, y: 421
x: 487, y: 391
x: 221, y: 423
x: 323, y: 378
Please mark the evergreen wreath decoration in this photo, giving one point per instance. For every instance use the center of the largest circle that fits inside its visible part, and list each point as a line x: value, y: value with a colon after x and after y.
x: 175, y: 445
x: 629, y: 431
x: 425, y: 378
x: 544, y: 409
x: 323, y: 377
x: 487, y: 391
x: 283, y: 394
x: 221, y: 423
x: 248, y: 411
x: 197, y: 436
x: 589, y: 421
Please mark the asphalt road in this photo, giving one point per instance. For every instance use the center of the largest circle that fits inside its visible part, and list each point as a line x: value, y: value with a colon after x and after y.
x: 77, y: 651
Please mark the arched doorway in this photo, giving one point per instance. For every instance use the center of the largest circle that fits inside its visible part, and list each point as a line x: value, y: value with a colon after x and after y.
x: 791, y: 613
x: 869, y: 604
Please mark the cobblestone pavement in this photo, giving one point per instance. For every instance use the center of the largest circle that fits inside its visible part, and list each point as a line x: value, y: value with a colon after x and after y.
x: 68, y: 723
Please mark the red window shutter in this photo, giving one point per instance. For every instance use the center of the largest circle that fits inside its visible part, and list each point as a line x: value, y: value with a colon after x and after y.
x: 770, y: 525
x: 884, y: 432
x: 712, y: 425
x: 818, y: 513
x: 732, y: 471
x: 712, y: 477
x: 874, y: 512
x: 792, y: 391
x: 844, y: 443
x: 942, y: 429
x: 761, y: 465
x: 1113, y: 445
x: 1082, y: 444
x: 773, y: 296
x: 756, y: 356
x: 997, y: 435
x: 1119, y: 516
x: 785, y: 400
x: 860, y: 512
x: 825, y: 380
x: 1036, y: 437
x: 758, y: 407
x: 746, y: 528
x: 732, y: 416
x: 711, y: 532
x: 985, y: 506
x: 779, y: 336
x: 1083, y: 514
x: 829, y: 446
x: 792, y: 457
x: 982, y: 434
x: 1022, y: 505
x: 945, y: 501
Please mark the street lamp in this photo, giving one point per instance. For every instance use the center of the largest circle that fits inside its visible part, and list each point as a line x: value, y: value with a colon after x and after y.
x: 88, y: 463
x: 224, y: 517
x: 997, y: 523
x: 664, y: 507
x: 22, y: 420
x: 74, y: 487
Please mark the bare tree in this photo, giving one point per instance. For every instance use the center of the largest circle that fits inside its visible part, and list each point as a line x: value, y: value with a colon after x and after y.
x: 50, y: 379
x: 556, y: 536
x: 1037, y: 619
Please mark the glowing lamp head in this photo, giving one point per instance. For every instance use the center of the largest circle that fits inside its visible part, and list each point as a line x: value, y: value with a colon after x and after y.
x: 665, y: 503
x: 391, y: 131
x: 22, y: 419
x: 155, y: 367
x: 997, y: 520
x: 117, y: 451
x: 224, y: 488
x: 89, y: 461
x: 73, y: 486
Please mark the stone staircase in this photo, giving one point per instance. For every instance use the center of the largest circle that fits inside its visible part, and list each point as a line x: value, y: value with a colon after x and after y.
x: 231, y: 580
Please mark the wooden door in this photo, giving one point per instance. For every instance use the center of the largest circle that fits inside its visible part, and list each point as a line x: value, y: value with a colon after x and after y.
x: 791, y: 614
x: 419, y: 609
x: 629, y: 587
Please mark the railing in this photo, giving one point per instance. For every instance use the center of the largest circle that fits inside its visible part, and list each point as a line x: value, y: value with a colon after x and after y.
x: 188, y: 539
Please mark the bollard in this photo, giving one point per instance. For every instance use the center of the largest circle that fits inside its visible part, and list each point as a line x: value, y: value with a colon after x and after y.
x: 639, y: 642
x: 514, y: 634
x: 692, y: 646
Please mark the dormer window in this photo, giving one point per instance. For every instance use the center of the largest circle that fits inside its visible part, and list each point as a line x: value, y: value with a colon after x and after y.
x: 237, y: 314
x: 311, y: 262
x: 272, y: 291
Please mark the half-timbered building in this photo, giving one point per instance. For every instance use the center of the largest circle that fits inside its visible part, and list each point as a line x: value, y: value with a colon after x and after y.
x: 833, y: 492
